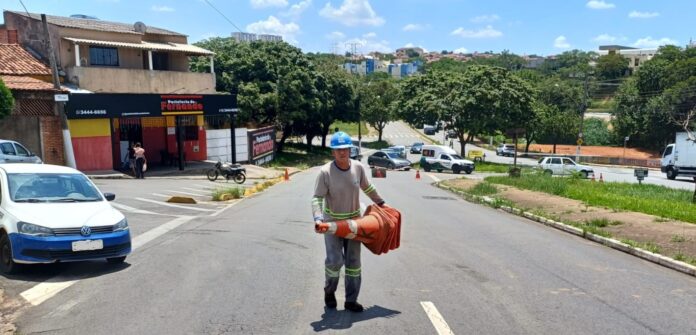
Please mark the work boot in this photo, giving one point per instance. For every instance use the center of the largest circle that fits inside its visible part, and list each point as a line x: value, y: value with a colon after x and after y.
x: 330, y: 300
x: 353, y: 306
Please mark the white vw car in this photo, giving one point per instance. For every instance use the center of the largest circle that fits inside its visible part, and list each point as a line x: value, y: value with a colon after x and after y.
x: 52, y: 213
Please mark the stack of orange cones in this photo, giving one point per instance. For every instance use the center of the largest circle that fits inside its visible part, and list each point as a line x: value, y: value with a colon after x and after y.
x: 379, y: 229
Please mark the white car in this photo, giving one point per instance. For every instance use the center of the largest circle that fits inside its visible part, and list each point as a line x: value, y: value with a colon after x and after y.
x: 51, y: 213
x: 563, y: 166
x: 13, y: 152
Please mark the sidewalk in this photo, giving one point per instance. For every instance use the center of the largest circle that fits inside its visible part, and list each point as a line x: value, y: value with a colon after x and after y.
x: 192, y: 170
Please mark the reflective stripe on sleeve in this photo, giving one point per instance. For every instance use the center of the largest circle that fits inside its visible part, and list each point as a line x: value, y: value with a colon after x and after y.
x: 371, y: 188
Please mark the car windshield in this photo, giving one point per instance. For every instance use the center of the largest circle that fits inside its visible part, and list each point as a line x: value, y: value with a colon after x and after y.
x: 393, y: 155
x: 51, y: 187
x: 456, y: 157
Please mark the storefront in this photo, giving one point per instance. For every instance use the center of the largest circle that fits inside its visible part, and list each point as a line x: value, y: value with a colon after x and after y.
x: 171, y: 127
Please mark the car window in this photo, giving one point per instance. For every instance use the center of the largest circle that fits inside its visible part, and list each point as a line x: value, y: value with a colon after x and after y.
x: 668, y: 152
x: 428, y: 152
x: 51, y: 187
x: 7, y: 148
x: 567, y: 161
x: 541, y: 160
x: 457, y: 157
x: 510, y: 146
x: 445, y: 157
x: 21, y: 151
x: 555, y: 161
x: 393, y: 155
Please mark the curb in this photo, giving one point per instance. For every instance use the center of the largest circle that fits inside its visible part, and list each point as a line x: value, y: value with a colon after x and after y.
x: 609, y: 242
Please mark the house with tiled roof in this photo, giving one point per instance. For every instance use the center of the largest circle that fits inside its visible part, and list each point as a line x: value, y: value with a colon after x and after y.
x: 34, y: 121
x: 129, y: 83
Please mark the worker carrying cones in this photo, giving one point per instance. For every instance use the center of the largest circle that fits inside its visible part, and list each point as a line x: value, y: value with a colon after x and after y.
x: 379, y: 229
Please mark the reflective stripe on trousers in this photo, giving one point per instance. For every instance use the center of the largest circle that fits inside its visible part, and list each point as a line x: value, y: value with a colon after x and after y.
x: 340, y: 252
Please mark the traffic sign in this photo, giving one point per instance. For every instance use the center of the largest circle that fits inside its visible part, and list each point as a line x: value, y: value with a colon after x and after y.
x: 579, y: 141
x: 60, y: 97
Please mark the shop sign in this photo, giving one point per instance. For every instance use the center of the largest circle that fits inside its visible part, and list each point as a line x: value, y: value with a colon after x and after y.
x: 262, y: 145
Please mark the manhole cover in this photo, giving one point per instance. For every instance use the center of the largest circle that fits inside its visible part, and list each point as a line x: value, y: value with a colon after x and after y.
x: 434, y: 197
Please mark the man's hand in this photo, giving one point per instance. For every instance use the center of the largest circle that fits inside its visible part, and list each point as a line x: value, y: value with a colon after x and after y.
x: 320, y: 227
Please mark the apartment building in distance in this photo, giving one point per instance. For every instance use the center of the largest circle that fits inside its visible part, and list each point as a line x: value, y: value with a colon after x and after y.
x: 636, y: 57
x: 249, y: 37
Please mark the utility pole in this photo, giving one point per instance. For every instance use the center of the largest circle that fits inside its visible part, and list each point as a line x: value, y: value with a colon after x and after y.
x: 67, y: 140
x: 583, y: 108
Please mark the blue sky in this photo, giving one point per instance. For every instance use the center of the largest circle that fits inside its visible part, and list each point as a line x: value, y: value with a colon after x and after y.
x: 542, y: 27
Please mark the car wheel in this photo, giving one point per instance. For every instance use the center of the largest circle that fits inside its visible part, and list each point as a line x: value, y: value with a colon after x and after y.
x: 671, y: 174
x: 426, y: 168
x: 116, y: 260
x: 390, y: 166
x: 7, y: 264
x: 469, y: 171
x: 439, y: 170
x: 456, y: 169
x: 548, y: 172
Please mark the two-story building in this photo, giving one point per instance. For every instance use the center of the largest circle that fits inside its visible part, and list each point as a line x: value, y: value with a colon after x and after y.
x: 134, y: 85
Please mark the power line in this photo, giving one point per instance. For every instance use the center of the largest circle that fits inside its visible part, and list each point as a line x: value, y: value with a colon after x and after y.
x: 223, y: 15
x: 25, y: 8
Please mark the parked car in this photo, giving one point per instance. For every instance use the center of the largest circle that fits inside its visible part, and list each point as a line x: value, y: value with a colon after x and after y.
x: 389, y: 160
x: 400, y: 149
x: 440, y: 157
x: 505, y: 150
x: 429, y: 130
x: 13, y: 152
x: 53, y: 214
x: 416, y: 147
x: 355, y: 153
x: 451, y: 133
x: 563, y: 166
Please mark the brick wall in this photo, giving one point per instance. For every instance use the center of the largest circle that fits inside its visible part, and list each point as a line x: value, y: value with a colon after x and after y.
x: 52, y: 140
x: 8, y: 36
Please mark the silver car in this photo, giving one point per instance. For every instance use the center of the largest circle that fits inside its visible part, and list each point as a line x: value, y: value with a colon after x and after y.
x: 564, y: 166
x: 13, y: 152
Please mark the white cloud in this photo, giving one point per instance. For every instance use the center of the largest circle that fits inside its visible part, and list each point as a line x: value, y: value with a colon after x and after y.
x: 370, y: 35
x: 275, y: 27
x: 561, y: 43
x: 409, y: 45
x: 336, y: 35
x: 485, y: 18
x: 487, y: 32
x: 643, y: 15
x: 460, y: 51
x: 162, y: 8
x: 649, y: 42
x: 605, y: 38
x: 599, y: 4
x: 366, y: 45
x: 297, y: 9
x: 413, y: 27
x: 352, y: 13
x: 268, y: 3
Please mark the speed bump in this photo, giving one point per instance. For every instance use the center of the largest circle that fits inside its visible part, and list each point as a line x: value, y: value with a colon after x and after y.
x: 182, y: 200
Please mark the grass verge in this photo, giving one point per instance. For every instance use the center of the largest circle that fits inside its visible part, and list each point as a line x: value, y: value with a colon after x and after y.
x: 234, y: 193
x: 649, y: 199
x: 499, y: 168
x: 351, y: 128
x: 297, y: 155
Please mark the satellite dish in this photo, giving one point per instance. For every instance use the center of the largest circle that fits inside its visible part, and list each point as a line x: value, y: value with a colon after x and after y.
x: 140, y: 27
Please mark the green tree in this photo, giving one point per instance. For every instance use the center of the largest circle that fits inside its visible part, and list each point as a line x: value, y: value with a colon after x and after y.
x: 377, y: 104
x: 559, y: 113
x: 6, y: 100
x: 612, y: 66
x: 596, y: 132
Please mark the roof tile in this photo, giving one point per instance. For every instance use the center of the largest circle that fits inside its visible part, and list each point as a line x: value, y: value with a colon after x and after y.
x: 14, y: 60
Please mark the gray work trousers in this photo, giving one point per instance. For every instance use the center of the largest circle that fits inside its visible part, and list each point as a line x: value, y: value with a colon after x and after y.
x: 340, y: 251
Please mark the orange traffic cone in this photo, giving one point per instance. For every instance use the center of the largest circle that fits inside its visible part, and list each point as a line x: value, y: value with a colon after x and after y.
x: 601, y: 178
x: 417, y: 174
x: 379, y: 230
x: 287, y: 175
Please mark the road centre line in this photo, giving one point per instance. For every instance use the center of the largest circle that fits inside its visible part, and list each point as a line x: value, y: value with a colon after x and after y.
x: 187, y: 193
x: 48, y: 289
x: 436, y: 318
x: 174, y: 206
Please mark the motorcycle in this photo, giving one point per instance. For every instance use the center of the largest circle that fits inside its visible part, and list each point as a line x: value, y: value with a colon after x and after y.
x: 230, y: 171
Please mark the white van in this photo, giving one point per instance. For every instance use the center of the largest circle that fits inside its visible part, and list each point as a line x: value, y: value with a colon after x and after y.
x: 440, y: 157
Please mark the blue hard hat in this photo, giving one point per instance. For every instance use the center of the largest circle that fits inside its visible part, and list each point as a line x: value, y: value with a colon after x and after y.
x: 341, y: 140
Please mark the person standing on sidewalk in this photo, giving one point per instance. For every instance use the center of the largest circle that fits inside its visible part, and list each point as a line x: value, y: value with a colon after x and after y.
x: 140, y: 161
x: 336, y: 197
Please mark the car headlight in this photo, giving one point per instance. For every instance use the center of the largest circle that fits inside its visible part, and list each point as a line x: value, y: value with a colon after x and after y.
x: 34, y: 230
x: 121, y: 225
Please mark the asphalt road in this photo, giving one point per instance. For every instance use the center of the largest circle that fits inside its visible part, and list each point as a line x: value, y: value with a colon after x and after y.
x: 257, y: 268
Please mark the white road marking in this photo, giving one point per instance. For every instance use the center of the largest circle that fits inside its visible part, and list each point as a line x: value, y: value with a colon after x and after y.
x: 48, y: 289
x: 158, y: 231
x: 162, y: 203
x: 203, y: 188
x: 224, y: 208
x: 436, y: 179
x: 436, y: 318
x: 132, y: 209
x: 161, y: 195
x: 187, y: 193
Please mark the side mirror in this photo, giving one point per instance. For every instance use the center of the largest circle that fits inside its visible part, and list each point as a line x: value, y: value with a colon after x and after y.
x: 109, y: 196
